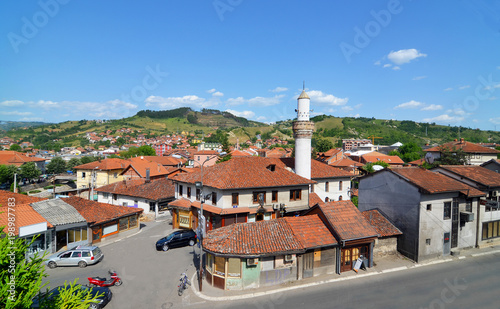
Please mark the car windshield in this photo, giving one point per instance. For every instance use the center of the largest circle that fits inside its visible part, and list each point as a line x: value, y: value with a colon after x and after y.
x: 96, y: 251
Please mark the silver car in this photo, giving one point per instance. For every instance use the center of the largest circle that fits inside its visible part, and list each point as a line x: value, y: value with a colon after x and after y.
x: 78, y: 256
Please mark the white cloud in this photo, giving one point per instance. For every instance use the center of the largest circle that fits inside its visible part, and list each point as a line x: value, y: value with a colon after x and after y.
x: 217, y: 94
x: 211, y: 90
x: 347, y: 108
x: 419, y: 77
x: 404, y: 56
x: 432, y: 107
x: 31, y: 119
x: 495, y: 120
x: 492, y: 87
x: 387, y: 65
x: 261, y: 118
x: 175, y: 102
x: 358, y: 106
x: 378, y: 62
x: 464, y: 87
x: 318, y: 96
x: 445, y: 118
x: 11, y: 103
x: 46, y: 104
x: 448, y: 89
x: 15, y: 113
x: 279, y: 89
x: 410, y: 104
x: 396, y: 68
x: 235, y: 101
x: 244, y: 114
x: 266, y: 101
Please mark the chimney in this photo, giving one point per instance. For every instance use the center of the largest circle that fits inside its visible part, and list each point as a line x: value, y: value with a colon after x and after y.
x: 462, y: 140
x: 147, y: 175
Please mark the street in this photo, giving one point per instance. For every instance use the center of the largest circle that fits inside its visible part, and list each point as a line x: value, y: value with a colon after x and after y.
x: 150, y: 280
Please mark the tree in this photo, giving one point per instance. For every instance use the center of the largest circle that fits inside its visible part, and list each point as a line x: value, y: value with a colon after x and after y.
x: 225, y: 148
x: 7, y: 173
x: 323, y: 145
x: 87, y: 159
x: 72, y: 163
x: 56, y: 166
x: 30, y: 171
x: 15, y: 147
x: 451, y: 156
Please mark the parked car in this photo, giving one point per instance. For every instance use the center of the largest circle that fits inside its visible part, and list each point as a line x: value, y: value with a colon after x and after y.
x: 103, y: 299
x: 175, y: 239
x: 78, y: 256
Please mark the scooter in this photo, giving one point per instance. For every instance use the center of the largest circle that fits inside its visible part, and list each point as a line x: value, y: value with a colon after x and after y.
x: 103, y: 282
x: 184, y: 283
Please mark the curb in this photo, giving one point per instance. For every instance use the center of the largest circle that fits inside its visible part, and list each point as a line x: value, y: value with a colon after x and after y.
x: 120, y: 239
x: 301, y: 286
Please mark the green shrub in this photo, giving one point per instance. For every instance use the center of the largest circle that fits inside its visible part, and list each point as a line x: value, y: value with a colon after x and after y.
x: 34, y: 191
x: 48, y: 187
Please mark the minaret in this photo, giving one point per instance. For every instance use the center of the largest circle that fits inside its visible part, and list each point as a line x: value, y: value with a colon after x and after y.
x: 302, y: 132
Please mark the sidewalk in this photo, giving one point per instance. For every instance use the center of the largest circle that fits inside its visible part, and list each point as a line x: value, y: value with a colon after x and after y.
x: 383, y: 265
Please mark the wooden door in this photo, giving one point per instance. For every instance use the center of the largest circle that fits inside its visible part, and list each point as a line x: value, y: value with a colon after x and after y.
x: 308, y: 259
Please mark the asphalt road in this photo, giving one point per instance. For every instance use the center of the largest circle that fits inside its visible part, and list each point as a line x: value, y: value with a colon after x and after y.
x: 150, y: 281
x: 150, y: 277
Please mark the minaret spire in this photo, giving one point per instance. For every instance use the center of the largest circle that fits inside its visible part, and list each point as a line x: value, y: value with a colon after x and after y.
x: 304, y: 85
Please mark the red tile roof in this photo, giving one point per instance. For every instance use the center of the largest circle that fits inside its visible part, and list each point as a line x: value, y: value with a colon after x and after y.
x: 106, y: 164
x: 141, y: 166
x: 314, y: 199
x: 377, y: 156
x: 163, y: 160
x: 16, y: 158
x: 25, y: 215
x: 96, y: 213
x: 345, y: 162
x: 7, y: 196
x: 432, y: 183
x: 347, y: 221
x: 278, y: 236
x: 477, y: 174
x: 238, y: 153
x: 245, y: 172
x: 153, y: 190
x: 383, y: 226
x: 467, y: 147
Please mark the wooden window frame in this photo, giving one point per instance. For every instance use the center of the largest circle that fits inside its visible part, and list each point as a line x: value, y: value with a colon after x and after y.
x: 295, y: 195
x: 235, y: 199
x: 274, y: 196
x: 255, y: 197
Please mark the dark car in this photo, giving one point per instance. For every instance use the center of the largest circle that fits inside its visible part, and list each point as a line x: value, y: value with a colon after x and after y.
x: 177, y: 239
x: 102, y: 300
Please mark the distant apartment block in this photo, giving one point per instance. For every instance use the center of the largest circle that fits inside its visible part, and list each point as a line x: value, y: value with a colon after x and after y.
x: 349, y: 144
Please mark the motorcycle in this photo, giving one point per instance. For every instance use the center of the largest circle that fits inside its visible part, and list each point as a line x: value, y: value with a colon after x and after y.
x: 103, y: 282
x: 184, y: 283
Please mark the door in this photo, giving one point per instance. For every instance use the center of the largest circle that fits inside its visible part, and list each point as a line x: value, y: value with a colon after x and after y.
x: 308, y: 264
x: 454, y: 224
x: 61, y: 240
x: 64, y: 258
x: 346, y: 260
x: 446, y: 244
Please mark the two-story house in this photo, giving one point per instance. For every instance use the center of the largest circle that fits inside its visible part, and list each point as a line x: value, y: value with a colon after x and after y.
x: 487, y: 181
x: 476, y: 154
x: 435, y: 213
x: 245, y: 189
x: 100, y: 173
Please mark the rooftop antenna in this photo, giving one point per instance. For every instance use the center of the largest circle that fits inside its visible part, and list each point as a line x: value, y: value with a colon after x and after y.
x: 304, y: 85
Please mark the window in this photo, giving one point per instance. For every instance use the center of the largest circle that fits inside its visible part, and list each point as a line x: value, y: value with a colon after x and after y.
x: 340, y: 197
x: 429, y: 207
x: 115, y: 197
x: 274, y: 196
x: 327, y: 186
x: 123, y: 224
x: 180, y: 190
x: 189, y: 192
x: 199, y: 158
x: 115, y: 175
x: 256, y: 196
x: 220, y: 266
x: 235, y: 199
x: 428, y: 241
x: 447, y: 210
x: 214, y: 198
x: 125, y: 204
x: 233, y: 267
x: 83, y: 175
x: 295, y: 195
x: 105, y: 195
x: 468, y: 205
x: 340, y: 185
x: 198, y: 194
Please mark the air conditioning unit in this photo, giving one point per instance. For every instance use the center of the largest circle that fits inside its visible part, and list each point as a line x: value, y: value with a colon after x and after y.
x: 252, y: 262
x: 288, y: 258
x: 466, y: 217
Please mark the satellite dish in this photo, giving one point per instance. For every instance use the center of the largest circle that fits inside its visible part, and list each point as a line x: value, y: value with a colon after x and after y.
x: 429, y: 158
x: 377, y: 167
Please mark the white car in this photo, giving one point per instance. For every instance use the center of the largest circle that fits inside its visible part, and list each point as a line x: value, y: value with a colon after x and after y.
x: 78, y: 256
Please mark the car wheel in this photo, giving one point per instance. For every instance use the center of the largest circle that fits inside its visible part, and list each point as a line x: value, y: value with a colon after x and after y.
x: 165, y: 247
x: 52, y: 264
x: 82, y: 264
x: 94, y: 306
x: 191, y: 242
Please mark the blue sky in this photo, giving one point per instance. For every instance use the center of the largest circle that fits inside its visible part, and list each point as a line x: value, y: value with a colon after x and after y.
x: 427, y: 61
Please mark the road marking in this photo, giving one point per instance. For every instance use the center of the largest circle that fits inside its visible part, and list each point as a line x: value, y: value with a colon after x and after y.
x: 486, y: 253
x: 461, y: 257
x: 394, y: 269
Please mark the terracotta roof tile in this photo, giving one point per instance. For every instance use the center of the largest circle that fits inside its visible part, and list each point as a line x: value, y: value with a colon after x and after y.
x: 433, y: 183
x: 16, y: 158
x: 153, y: 190
x: 96, y: 213
x: 347, y: 221
x: 467, y: 147
x: 19, y: 198
x: 314, y: 199
x: 106, y: 164
x: 477, y: 174
x: 164, y: 160
x: 380, y: 222
x: 278, y: 236
x: 25, y: 215
x: 245, y: 172
x: 141, y: 166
